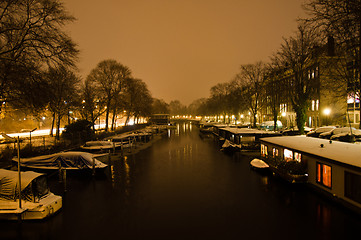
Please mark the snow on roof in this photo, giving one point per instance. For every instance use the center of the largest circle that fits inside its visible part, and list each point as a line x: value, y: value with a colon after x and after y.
x: 342, y: 152
x: 246, y: 131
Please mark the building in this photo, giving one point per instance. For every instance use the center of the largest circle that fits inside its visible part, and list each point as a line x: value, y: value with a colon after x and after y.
x: 330, y: 97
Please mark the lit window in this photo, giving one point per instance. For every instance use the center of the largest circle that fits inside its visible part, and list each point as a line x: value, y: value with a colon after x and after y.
x: 287, y: 155
x: 264, y: 150
x: 298, y: 157
x: 317, y: 104
x: 275, y: 152
x: 324, y: 175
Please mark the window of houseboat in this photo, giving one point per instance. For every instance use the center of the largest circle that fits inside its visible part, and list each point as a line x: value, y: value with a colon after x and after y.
x: 264, y: 150
x: 353, y: 186
x: 232, y: 137
x: 324, y: 175
x: 298, y: 157
x: 287, y: 155
x: 275, y: 152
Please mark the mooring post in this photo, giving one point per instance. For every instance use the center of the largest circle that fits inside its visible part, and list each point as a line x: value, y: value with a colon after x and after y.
x: 60, y: 174
x: 93, y: 167
x: 19, y: 172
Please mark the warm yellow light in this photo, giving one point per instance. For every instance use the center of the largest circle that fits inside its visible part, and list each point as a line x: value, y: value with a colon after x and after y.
x: 327, y: 111
x: 283, y: 114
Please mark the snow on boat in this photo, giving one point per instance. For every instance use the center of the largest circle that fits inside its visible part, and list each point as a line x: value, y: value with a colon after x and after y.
x: 37, y: 202
x: 259, y: 164
x: 97, y: 146
x: 66, y: 160
x: 229, y: 146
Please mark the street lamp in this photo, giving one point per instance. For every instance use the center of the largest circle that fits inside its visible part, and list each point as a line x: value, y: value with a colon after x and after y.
x: 327, y: 112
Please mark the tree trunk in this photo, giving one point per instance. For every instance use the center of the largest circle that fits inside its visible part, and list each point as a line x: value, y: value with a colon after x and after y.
x: 126, y: 121
x: 57, y: 136
x: 93, y: 120
x: 301, y: 118
x: 113, y: 119
x: 275, y: 115
x: 254, y: 120
x: 52, y: 125
x: 106, y: 120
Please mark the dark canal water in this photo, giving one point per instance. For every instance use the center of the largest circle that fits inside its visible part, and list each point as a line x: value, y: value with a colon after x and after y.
x: 183, y: 187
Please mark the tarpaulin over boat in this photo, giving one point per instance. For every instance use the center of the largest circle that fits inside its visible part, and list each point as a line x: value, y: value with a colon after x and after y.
x: 67, y: 160
x: 9, y: 181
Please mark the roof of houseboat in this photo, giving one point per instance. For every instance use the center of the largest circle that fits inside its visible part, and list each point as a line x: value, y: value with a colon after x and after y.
x: 346, y: 153
x: 246, y: 131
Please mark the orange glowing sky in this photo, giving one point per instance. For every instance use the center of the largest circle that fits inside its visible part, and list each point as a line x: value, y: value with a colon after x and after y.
x: 180, y: 48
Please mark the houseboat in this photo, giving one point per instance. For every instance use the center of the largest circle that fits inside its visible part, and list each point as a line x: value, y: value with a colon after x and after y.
x: 245, y: 138
x: 330, y: 166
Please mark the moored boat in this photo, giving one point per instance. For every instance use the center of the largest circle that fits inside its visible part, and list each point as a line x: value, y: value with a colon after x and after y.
x: 259, y: 164
x: 37, y: 202
x: 332, y: 167
x: 245, y: 138
x: 72, y: 160
x: 228, y: 146
x: 99, y: 146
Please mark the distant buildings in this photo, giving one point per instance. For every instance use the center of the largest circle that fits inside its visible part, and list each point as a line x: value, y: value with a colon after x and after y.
x: 333, y: 100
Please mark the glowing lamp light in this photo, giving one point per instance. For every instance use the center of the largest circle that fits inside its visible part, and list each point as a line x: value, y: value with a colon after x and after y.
x: 283, y: 114
x: 327, y: 111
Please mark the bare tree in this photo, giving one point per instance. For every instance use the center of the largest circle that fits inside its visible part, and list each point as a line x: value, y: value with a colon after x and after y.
x: 92, y: 103
x: 295, y: 54
x: 62, y: 92
x: 342, y: 19
x: 31, y: 38
x: 160, y: 106
x: 252, y: 79
x: 108, y: 77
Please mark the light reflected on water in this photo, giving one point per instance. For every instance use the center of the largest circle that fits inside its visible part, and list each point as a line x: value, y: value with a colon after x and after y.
x: 264, y: 180
x: 183, y: 187
x: 127, y: 175
x: 112, y: 175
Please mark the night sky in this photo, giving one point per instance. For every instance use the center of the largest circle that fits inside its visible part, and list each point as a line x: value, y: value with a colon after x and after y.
x: 180, y: 48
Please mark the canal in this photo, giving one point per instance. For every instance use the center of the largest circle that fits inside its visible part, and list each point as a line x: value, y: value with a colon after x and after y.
x: 184, y: 187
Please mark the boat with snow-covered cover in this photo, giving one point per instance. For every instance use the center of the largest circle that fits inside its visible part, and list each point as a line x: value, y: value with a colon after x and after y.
x: 37, y: 202
x: 72, y: 160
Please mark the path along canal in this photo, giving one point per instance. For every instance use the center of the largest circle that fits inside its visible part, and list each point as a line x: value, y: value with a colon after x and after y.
x: 184, y: 187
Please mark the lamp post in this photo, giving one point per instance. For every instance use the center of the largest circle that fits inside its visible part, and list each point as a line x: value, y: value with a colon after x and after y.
x: 30, y: 137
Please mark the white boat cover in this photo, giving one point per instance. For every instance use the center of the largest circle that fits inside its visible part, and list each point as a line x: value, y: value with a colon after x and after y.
x: 68, y: 160
x: 9, y: 182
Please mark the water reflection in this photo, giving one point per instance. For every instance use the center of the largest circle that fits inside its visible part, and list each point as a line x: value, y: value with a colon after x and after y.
x: 183, y: 187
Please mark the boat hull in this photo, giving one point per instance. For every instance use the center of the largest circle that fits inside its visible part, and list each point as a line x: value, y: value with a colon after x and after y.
x: 45, y: 208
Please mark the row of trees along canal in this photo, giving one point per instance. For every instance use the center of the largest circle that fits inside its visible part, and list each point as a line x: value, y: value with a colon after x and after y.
x: 38, y: 70
x: 252, y: 89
